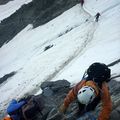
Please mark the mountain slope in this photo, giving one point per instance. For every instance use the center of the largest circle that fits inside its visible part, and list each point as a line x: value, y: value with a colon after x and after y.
x: 77, y: 42
x: 36, y: 12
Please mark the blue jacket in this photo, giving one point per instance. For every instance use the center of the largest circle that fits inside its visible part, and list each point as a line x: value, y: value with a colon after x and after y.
x: 14, y: 106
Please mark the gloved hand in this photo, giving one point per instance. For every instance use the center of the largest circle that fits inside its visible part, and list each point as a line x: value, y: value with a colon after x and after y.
x: 62, y: 108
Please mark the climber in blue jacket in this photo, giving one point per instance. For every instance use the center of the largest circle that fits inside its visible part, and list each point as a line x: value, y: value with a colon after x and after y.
x: 14, y: 109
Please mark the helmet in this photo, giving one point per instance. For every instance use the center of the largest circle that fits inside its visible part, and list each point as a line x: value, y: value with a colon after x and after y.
x: 86, y: 95
x: 7, y: 118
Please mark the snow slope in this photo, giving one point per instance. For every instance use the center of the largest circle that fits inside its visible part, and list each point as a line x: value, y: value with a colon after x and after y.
x: 77, y: 42
x: 9, y: 8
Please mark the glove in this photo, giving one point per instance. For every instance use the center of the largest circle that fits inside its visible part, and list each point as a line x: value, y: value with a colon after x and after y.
x: 62, y: 108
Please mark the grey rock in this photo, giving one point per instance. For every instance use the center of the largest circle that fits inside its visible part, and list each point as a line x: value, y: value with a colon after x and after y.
x: 115, y: 115
x: 47, y: 92
x: 54, y: 93
x: 2, y: 2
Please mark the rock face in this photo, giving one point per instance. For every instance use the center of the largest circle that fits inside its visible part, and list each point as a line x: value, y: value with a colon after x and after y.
x: 55, y: 92
x: 2, y: 2
x: 37, y: 12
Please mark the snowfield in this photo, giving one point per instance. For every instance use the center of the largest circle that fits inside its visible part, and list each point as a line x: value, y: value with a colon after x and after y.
x: 77, y: 42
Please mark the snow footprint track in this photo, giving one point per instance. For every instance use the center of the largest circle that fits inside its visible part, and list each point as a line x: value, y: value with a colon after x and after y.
x: 77, y: 53
x: 80, y: 50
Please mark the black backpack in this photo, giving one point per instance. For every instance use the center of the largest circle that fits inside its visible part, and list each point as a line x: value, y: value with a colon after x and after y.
x: 98, y: 72
x: 33, y: 107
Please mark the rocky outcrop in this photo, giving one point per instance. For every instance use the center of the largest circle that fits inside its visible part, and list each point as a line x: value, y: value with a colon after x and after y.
x: 53, y: 94
x: 37, y: 12
x: 2, y: 2
x: 6, y: 77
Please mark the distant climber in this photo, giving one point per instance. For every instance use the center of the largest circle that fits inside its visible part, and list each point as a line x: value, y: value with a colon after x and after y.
x: 97, y: 17
x: 90, y: 91
x: 25, y: 108
x: 35, y: 107
x: 81, y: 2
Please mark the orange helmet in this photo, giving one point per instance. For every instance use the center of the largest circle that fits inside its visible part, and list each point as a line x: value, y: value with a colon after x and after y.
x: 7, y: 118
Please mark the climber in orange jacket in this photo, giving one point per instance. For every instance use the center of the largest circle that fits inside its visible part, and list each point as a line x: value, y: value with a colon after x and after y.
x: 91, y: 90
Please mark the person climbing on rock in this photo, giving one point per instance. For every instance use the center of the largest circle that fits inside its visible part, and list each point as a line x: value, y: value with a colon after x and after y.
x: 90, y: 91
x: 97, y: 17
x: 24, y: 109
x: 14, y: 110
x: 32, y: 107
